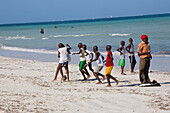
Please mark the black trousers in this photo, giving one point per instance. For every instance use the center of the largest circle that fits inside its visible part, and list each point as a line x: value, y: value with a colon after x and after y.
x: 144, y: 70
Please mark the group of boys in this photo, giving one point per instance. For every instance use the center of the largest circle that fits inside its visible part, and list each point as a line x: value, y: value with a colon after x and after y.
x: 86, y: 59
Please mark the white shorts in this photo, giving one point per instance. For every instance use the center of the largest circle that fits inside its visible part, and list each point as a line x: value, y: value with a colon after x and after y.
x: 97, y: 69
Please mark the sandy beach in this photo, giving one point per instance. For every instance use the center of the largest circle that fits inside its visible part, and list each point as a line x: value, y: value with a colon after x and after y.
x: 25, y: 86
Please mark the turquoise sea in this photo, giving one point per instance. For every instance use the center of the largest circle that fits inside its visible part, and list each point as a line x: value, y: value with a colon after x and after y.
x: 25, y: 40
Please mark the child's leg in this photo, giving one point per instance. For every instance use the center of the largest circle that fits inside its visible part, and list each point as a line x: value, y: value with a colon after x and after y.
x: 67, y: 71
x: 83, y: 74
x: 90, y: 67
x: 132, y: 67
x: 122, y: 69
x: 102, y: 76
x: 108, y: 80
x: 87, y: 73
x: 61, y: 72
x: 97, y: 77
x: 133, y: 63
x: 58, y: 68
x: 114, y: 79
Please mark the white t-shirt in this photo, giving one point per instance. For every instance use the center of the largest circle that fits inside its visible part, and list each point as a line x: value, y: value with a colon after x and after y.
x: 82, y: 55
x: 123, y: 51
x: 63, y: 54
x: 131, y: 50
x: 88, y: 57
x: 100, y: 61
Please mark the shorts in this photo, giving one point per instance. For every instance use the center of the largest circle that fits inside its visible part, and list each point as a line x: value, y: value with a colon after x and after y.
x: 122, y: 62
x: 108, y: 70
x: 82, y: 64
x: 97, y: 69
x: 132, y: 59
x: 64, y: 63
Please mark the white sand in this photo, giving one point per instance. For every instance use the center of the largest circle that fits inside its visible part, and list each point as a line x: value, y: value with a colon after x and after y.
x: 25, y: 86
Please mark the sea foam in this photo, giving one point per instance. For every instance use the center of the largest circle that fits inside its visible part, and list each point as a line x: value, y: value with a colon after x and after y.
x: 18, y: 37
x: 118, y: 34
x: 29, y: 50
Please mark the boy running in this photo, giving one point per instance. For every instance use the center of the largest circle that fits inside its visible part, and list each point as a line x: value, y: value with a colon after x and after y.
x: 99, y: 58
x: 62, y: 54
x: 109, y: 66
x: 130, y: 50
x: 121, y: 49
x: 82, y: 62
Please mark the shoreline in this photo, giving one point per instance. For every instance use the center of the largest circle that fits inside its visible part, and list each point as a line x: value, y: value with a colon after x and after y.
x: 26, y: 86
x: 158, y: 63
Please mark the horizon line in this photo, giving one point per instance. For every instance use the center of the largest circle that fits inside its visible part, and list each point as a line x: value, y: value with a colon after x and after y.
x: 90, y: 20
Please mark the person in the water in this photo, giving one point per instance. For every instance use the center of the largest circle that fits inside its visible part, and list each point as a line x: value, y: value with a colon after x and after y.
x: 42, y: 31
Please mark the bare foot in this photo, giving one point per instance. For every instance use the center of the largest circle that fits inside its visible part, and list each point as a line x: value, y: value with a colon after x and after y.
x: 108, y: 86
x: 88, y: 77
x: 104, y: 77
x: 133, y: 72
x: 99, y: 83
x: 84, y: 79
x: 117, y: 82
x: 54, y: 80
x: 123, y: 74
x: 63, y: 78
x: 68, y: 80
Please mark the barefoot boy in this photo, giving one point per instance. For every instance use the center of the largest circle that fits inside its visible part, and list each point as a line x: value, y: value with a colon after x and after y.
x: 99, y: 58
x: 82, y: 68
x: 121, y: 49
x: 109, y: 66
x: 130, y: 50
x: 62, y: 54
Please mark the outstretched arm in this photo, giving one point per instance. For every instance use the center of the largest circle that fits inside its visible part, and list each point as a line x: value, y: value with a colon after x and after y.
x: 77, y: 53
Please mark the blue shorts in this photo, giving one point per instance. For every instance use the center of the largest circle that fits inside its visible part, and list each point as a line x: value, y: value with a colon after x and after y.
x: 64, y: 63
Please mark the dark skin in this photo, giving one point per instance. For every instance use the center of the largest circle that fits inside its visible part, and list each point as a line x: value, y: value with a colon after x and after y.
x: 129, y: 46
x: 145, y: 53
x: 97, y: 54
x: 83, y: 71
x: 119, y: 50
x: 128, y: 50
x: 108, y: 48
x: 59, y: 67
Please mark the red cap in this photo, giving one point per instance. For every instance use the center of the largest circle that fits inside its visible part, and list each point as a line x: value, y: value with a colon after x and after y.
x: 143, y: 36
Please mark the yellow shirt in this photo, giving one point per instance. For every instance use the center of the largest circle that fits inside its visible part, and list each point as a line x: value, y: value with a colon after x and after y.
x: 142, y: 48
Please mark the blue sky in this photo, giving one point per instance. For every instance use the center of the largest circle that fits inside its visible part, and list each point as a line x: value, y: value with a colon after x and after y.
x: 22, y: 11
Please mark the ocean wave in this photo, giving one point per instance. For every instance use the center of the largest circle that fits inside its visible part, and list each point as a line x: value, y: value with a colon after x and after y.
x: 29, y: 50
x: 80, y: 35
x: 45, y: 38
x: 18, y: 37
x: 118, y: 34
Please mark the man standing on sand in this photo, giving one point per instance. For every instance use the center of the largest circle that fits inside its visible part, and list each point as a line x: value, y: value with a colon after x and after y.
x: 145, y: 57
